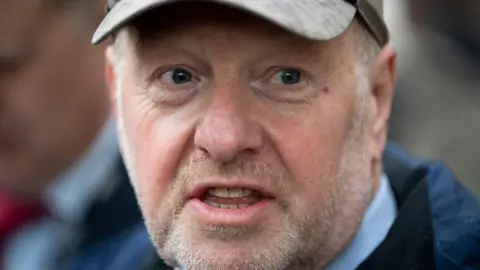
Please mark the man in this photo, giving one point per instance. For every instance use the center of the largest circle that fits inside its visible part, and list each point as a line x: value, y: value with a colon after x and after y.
x: 57, y: 144
x: 254, y: 133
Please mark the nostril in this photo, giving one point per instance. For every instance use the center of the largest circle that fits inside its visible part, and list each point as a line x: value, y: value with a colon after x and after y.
x: 250, y: 151
x: 223, y: 137
x: 204, y: 151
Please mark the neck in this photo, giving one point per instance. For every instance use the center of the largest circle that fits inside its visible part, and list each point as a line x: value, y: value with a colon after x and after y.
x: 358, y: 194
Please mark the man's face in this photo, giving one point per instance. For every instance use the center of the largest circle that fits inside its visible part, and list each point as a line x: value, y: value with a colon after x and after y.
x: 52, y: 100
x: 249, y: 148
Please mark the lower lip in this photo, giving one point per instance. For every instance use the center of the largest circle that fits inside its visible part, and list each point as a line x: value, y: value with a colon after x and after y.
x: 230, y: 217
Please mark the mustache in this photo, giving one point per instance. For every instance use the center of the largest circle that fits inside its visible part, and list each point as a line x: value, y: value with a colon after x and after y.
x: 242, y: 166
x: 264, y: 171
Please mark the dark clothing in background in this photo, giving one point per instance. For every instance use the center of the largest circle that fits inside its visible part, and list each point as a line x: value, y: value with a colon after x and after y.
x: 114, y: 234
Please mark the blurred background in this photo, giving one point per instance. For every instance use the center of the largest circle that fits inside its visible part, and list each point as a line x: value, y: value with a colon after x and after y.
x: 437, y: 106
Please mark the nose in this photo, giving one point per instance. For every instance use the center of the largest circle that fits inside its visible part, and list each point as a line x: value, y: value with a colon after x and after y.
x: 227, y: 131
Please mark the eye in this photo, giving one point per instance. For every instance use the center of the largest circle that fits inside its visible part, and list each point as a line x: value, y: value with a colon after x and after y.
x: 287, y: 76
x: 285, y: 84
x: 177, y: 76
x: 173, y: 85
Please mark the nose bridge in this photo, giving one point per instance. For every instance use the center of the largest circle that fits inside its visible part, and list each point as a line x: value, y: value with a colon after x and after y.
x: 227, y: 128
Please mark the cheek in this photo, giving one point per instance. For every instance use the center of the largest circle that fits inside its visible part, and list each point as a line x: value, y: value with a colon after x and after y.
x: 314, y: 168
x: 311, y: 149
x: 155, y: 143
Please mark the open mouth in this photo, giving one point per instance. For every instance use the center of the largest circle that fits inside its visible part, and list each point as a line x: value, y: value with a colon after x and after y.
x: 232, y: 198
x: 233, y: 205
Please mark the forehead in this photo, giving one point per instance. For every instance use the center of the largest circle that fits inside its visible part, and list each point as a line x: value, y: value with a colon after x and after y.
x: 201, y: 21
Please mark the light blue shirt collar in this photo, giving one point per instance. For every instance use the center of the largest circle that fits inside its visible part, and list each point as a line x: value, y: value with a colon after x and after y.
x: 376, y: 223
x: 72, y: 193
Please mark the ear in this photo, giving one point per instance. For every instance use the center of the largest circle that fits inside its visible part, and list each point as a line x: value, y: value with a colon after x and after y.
x: 383, y: 83
x: 110, y: 77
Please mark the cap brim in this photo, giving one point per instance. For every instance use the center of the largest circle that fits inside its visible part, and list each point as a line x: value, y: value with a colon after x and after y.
x: 315, y: 20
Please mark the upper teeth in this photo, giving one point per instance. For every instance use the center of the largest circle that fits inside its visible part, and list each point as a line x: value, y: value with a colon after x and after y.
x: 230, y: 192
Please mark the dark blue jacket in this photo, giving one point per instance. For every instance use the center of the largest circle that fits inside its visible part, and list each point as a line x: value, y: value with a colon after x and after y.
x: 114, y: 234
x: 438, y: 222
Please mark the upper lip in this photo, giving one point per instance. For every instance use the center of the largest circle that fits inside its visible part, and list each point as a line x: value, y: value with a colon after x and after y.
x: 199, y: 189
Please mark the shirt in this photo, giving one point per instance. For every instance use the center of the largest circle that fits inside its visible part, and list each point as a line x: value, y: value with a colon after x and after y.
x: 68, y: 199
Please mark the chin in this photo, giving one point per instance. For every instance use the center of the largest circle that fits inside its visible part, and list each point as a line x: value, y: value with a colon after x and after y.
x: 220, y: 247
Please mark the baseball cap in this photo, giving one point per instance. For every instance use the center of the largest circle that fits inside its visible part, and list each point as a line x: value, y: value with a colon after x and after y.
x: 312, y: 19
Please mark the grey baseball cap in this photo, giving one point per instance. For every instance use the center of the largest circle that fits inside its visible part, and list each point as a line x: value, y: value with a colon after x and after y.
x: 312, y: 19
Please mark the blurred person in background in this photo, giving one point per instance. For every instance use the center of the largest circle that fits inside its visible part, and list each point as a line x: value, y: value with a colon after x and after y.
x: 437, y: 108
x: 65, y: 198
